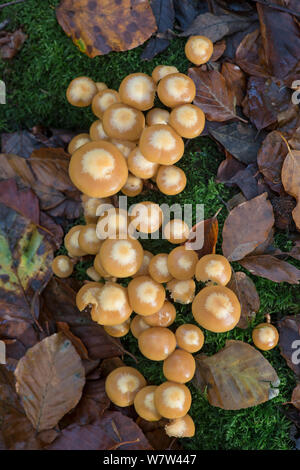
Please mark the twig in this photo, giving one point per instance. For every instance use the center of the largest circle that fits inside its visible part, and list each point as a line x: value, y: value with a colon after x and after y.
x: 8, y: 4
x: 277, y: 7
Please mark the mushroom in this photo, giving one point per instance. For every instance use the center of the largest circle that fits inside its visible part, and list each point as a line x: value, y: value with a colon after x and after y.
x: 172, y: 400
x: 111, y: 305
x: 125, y: 146
x: 133, y: 186
x: 122, y: 385
x: 88, y: 295
x: 98, y: 169
x: 90, y: 206
x: 138, y: 325
x: 189, y: 337
x: 144, y: 404
x: 121, y: 121
x: 181, y: 427
x: 112, y: 223
x: 146, y: 296
x: 214, y: 268
x: 182, y: 263
x: 97, y: 131
x: 121, y: 257
x: 179, y: 367
x: 158, y: 268
x: 81, y: 91
x: 118, y: 331
x: 161, y: 144
x: 103, y: 100
x: 88, y: 240
x: 144, y: 269
x: 157, y: 343
x: 93, y: 274
x: 157, y: 116
x: 176, y: 89
x: 182, y: 292
x: 188, y: 120
x: 146, y: 217
x: 162, y: 71
x: 101, y: 86
x: 170, y: 180
x: 217, y: 309
x: 77, y: 142
x: 62, y: 266
x: 176, y: 231
x: 138, y: 90
x: 99, y: 268
x: 71, y: 242
x: 265, y: 336
x: 139, y: 166
x: 199, y: 49
x: 164, y: 317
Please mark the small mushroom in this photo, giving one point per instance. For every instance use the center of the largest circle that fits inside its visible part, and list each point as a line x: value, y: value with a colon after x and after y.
x: 88, y: 295
x: 176, y: 89
x: 133, y: 186
x: 146, y: 217
x: 112, y: 223
x: 122, y: 385
x: 111, y: 305
x: 217, y: 309
x: 182, y: 292
x: 88, y: 240
x: 172, y: 400
x: 144, y: 269
x: 157, y: 116
x: 138, y: 325
x: 93, y: 274
x: 138, y: 90
x: 139, y: 166
x: 99, y: 268
x: 97, y: 131
x: 162, y: 71
x: 164, y: 317
x: 81, y: 91
x: 71, y: 242
x: 214, y: 268
x: 176, y: 231
x: 101, y: 86
x: 77, y: 142
x: 182, y: 263
x: 158, y: 268
x: 103, y: 100
x: 188, y: 120
x: 90, y: 206
x: 146, y: 296
x: 118, y: 331
x: 121, y: 257
x: 121, y: 121
x: 189, y: 337
x: 157, y: 343
x: 125, y: 146
x: 161, y: 144
x: 181, y: 427
x: 144, y: 404
x: 179, y: 367
x: 265, y: 336
x: 170, y: 180
x: 199, y: 49
x: 62, y: 266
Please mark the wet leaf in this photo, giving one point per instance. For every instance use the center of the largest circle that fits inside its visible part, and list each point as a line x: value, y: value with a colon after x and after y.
x: 11, y: 43
x: 296, y: 397
x: 271, y: 268
x: 249, y: 55
x: 289, y: 341
x: 270, y: 159
x: 235, y: 79
x: 163, y: 11
x: 187, y: 10
x: 291, y: 180
x: 247, y: 294
x: 98, y: 28
x: 283, y: 207
x: 77, y: 343
x: 50, y: 379
x: 206, y: 230
x: 219, y: 49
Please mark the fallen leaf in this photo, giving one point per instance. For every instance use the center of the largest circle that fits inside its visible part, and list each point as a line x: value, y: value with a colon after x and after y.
x: 289, y: 341
x: 77, y: 343
x: 270, y: 159
x: 19, y: 335
x: 247, y: 294
x: 247, y: 180
x: 296, y: 397
x: 163, y: 11
x: 219, y: 49
x: 11, y: 43
x: 235, y: 79
x: 249, y: 55
x: 186, y: 11
x: 272, y: 268
x: 98, y: 28
x: 228, y: 168
x: 283, y: 207
x: 206, y: 231
x: 290, y: 175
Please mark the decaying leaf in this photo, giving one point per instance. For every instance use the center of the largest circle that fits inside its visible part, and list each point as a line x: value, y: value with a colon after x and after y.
x: 236, y: 377
x: 249, y: 55
x: 164, y: 13
x: 296, y: 397
x: 291, y: 180
x: 50, y: 379
x: 289, y: 341
x: 245, y: 290
x: 235, y: 79
x: 206, y: 230
x: 11, y: 43
x: 270, y: 159
x: 272, y: 268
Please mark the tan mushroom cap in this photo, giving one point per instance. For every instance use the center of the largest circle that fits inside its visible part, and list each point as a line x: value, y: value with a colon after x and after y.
x: 121, y: 257
x: 133, y: 186
x: 161, y: 144
x: 122, y: 385
x: 170, y: 180
x: 214, y: 268
x: 188, y: 120
x: 146, y: 296
x: 112, y: 223
x: 161, y: 71
x: 157, y: 343
x: 98, y: 169
x: 144, y: 404
x: 121, y: 121
x: 138, y: 90
x: 157, y: 116
x: 99, y: 268
x: 199, y: 49
x: 265, y: 336
x: 125, y: 146
x: 101, y: 86
x: 112, y: 305
x: 90, y: 206
x: 189, y: 337
x: 217, y: 309
x: 158, y: 268
x: 103, y: 100
x: 176, y: 89
x: 182, y: 292
x: 144, y: 269
x: 71, y: 242
x: 93, y: 274
x: 118, y: 331
x: 139, y: 166
x: 88, y: 295
x: 62, y: 266
x: 146, y: 217
x: 181, y: 427
x: 176, y: 231
x: 78, y: 141
x: 172, y: 400
x: 179, y: 367
x: 88, y: 240
x: 138, y: 325
x: 164, y: 317
x: 97, y: 131
x: 81, y: 91
x: 182, y: 263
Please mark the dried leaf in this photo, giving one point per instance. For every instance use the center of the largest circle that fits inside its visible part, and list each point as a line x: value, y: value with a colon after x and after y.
x: 270, y: 159
x: 163, y: 11
x: 219, y: 49
x: 77, y: 343
x: 11, y: 43
x: 206, y: 230
x: 296, y: 397
x: 235, y: 79
x: 289, y: 341
x: 186, y: 11
x: 249, y: 55
x: 247, y: 294
x: 271, y: 268
x: 291, y: 180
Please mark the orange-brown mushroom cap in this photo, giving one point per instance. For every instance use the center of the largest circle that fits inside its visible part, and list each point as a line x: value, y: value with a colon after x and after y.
x: 170, y: 180
x: 179, y: 367
x: 176, y: 231
x: 146, y: 217
x: 157, y: 116
x: 138, y: 325
x: 158, y: 268
x: 144, y: 404
x: 97, y: 131
x: 78, y: 141
x: 161, y: 144
x: 122, y: 385
x: 88, y: 240
x: 214, y: 268
x: 146, y: 296
x: 144, y: 269
x: 138, y: 90
x: 121, y: 121
x: 164, y: 317
x: 112, y: 223
x: 157, y: 343
x: 81, y: 91
x: 133, y: 186
x: 111, y: 305
x: 90, y: 206
x: 161, y: 71
x: 189, y: 337
x: 172, y: 400
x: 118, y: 331
x: 265, y: 336
x: 182, y: 292
x: 71, y: 241
x: 181, y: 427
x: 176, y: 89
x: 121, y: 257
x: 182, y: 263
x: 199, y: 49
x: 103, y: 100
x: 188, y: 120
x: 139, y: 166
x: 62, y: 266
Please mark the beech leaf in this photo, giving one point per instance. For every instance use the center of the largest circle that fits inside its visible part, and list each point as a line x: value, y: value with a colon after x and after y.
x: 246, y: 292
x: 272, y: 268
x: 208, y: 230
x: 289, y: 341
x: 290, y: 175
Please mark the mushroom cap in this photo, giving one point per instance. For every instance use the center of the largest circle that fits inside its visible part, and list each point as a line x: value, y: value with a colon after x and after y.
x: 71, y: 241
x: 78, y: 141
x: 172, y: 400
x: 161, y: 144
x: 170, y: 180
x: 122, y: 385
x: 161, y: 71
x: 157, y: 116
x: 138, y: 90
x: 189, y: 337
x: 146, y: 217
x: 88, y: 240
x: 121, y: 257
x: 265, y: 336
x: 97, y: 131
x: 199, y: 49
x: 181, y: 427
x: 121, y: 121
x: 176, y: 231
x: 182, y: 292
x: 99, y: 268
x: 176, y: 89
x: 88, y: 295
x: 157, y: 343
x: 112, y: 305
x: 138, y: 325
x: 144, y: 269
x: 216, y: 308
x: 90, y: 206
x: 144, y: 404
x: 112, y: 223
x: 158, y: 268
x: 139, y: 166
x: 146, y: 296
x: 179, y: 367
x: 164, y: 317
x: 182, y: 263
x: 81, y: 91
x: 133, y: 186
x: 101, y: 86
x: 62, y: 266
x: 98, y: 169
x: 103, y: 100
x: 214, y: 268
x: 125, y: 146
x: 118, y: 331
x: 93, y: 274
x: 188, y: 120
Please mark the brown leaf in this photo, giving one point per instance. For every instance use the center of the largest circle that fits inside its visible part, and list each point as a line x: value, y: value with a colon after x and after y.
x: 247, y: 294
x: 228, y: 168
x: 98, y: 28
x: 11, y: 43
x: 283, y: 207
x: 206, y: 230
x: 249, y: 55
x: 270, y: 159
x: 271, y: 268
x: 291, y: 180
x: 237, y: 377
x: 289, y: 341
x: 246, y: 227
x: 77, y: 343
x: 235, y: 79
x: 50, y: 379
x: 296, y: 397
x: 219, y: 49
